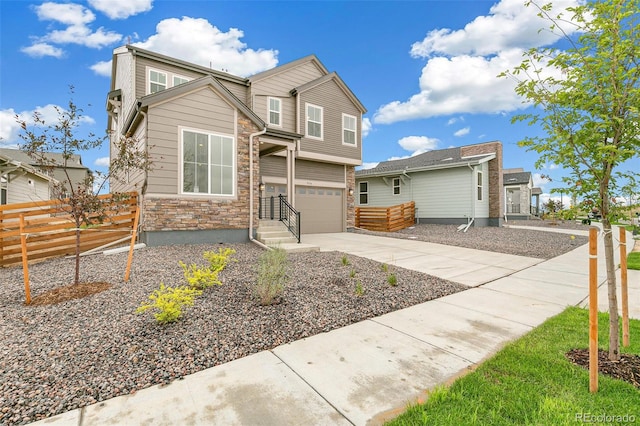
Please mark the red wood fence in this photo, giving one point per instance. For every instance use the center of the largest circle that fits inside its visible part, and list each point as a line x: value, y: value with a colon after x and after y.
x: 50, y: 231
x: 387, y: 219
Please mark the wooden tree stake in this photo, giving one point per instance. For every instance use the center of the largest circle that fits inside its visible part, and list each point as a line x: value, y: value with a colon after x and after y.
x: 25, y: 260
x: 593, y: 309
x: 133, y: 243
x: 623, y: 287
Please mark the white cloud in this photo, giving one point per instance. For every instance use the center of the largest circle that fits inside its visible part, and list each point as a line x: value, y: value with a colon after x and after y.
x: 454, y: 120
x: 196, y: 40
x: 418, y: 144
x: 65, y: 13
x: 76, y: 20
x: 366, y: 166
x: 462, y: 132
x: 366, y: 127
x: 102, y: 68
x: 460, y: 75
x: 10, y: 129
x: 539, y: 180
x: 102, y: 162
x: 121, y: 9
x: 39, y: 50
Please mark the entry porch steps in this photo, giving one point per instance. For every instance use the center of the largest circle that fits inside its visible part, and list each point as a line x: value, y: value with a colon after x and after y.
x: 274, y: 233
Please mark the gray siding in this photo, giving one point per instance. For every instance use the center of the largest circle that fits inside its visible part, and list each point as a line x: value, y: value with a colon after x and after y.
x: 273, y: 166
x: 334, y: 102
x: 438, y: 194
x: 311, y: 170
x: 280, y: 85
x: 482, y: 207
x: 201, y: 110
x: 19, y: 190
x: 125, y: 81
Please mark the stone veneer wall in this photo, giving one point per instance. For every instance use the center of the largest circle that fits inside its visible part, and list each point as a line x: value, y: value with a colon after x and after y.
x: 496, y: 192
x: 197, y: 214
x: 351, y: 199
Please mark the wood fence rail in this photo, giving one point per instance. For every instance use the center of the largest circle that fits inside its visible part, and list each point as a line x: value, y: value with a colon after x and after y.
x: 50, y: 231
x: 386, y: 219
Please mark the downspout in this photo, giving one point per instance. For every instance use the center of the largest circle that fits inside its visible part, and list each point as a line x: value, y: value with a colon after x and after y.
x: 143, y: 190
x: 251, y: 136
x: 473, y: 196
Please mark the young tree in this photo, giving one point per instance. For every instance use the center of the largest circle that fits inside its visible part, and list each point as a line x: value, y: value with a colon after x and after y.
x: 589, y: 110
x: 78, y: 199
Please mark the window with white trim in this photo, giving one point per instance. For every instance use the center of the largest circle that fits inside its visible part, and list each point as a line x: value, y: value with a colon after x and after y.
x: 348, y: 129
x: 479, y: 186
x: 178, y: 80
x: 396, y: 186
x: 207, y: 163
x: 275, y: 111
x: 363, y: 189
x: 157, y: 81
x: 314, y: 121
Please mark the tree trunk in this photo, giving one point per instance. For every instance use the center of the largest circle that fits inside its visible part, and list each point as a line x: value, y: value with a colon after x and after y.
x: 614, y: 338
x: 76, y: 279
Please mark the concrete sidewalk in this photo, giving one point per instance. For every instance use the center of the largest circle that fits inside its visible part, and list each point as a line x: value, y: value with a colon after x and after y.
x: 368, y: 372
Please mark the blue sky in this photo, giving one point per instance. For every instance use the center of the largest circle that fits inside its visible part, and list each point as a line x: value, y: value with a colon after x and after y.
x: 425, y: 70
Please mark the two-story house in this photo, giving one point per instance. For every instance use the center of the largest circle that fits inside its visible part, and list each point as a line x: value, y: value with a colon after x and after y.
x: 219, y: 143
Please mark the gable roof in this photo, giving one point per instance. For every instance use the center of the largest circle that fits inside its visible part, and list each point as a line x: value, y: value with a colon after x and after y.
x: 138, y: 51
x: 182, y: 89
x: 288, y: 66
x: 430, y: 160
x: 329, y: 77
x: 517, y: 178
x: 10, y: 165
x: 22, y: 157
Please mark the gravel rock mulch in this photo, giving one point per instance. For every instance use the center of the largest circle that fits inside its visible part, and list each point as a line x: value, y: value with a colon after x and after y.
x: 522, y: 242
x: 55, y: 358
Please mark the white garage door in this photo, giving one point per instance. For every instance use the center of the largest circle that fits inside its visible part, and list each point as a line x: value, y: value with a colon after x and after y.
x: 321, y: 209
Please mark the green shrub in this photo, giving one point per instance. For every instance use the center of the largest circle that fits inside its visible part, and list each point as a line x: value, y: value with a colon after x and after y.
x: 168, y: 302
x: 200, y: 278
x: 219, y: 260
x: 392, y: 280
x: 272, y: 268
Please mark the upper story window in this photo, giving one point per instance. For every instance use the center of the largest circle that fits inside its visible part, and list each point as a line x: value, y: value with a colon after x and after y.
x: 162, y: 80
x: 348, y: 129
x: 396, y: 186
x: 177, y: 80
x: 479, y: 186
x: 275, y: 111
x: 157, y: 81
x: 207, y: 163
x: 314, y: 121
x: 364, y: 192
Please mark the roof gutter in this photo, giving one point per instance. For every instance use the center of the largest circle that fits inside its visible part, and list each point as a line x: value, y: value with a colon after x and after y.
x: 251, y: 137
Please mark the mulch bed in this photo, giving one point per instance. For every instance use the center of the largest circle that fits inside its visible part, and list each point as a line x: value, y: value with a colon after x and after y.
x: 627, y: 369
x: 69, y: 292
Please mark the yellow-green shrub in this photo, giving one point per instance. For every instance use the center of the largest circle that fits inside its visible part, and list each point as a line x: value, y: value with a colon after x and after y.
x: 218, y: 260
x: 200, y: 278
x: 168, y: 302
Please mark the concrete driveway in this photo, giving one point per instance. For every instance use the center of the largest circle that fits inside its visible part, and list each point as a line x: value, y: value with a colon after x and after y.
x: 462, y: 265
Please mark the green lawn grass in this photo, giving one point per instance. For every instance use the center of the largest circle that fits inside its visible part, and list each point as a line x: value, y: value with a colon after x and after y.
x: 633, y: 260
x: 530, y: 382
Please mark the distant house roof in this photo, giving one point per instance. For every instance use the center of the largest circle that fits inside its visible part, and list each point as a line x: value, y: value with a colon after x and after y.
x: 10, y: 165
x: 517, y: 178
x: 431, y: 160
x: 75, y: 162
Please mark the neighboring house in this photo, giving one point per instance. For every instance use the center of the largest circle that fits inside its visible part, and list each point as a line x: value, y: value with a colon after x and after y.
x: 22, y: 183
x: 77, y: 172
x: 219, y: 142
x: 448, y: 186
x: 522, y: 200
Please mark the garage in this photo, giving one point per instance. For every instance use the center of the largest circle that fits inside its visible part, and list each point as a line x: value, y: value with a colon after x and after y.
x: 321, y: 209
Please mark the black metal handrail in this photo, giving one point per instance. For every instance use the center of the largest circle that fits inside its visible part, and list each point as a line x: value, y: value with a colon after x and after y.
x: 281, y: 210
x: 290, y: 217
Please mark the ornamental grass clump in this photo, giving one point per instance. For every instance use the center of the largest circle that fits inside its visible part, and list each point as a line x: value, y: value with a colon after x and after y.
x: 169, y: 302
x: 272, y: 276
